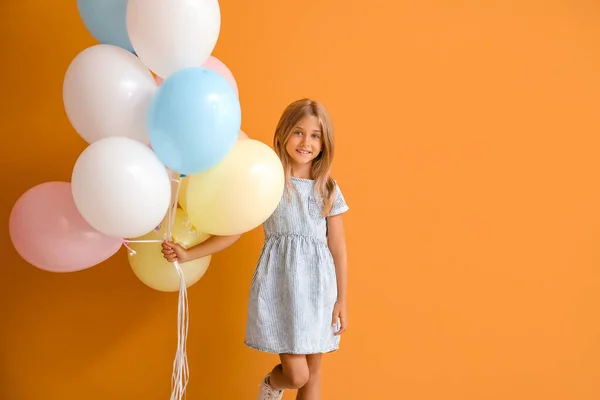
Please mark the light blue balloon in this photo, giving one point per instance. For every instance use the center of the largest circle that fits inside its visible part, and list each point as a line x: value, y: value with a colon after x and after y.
x: 194, y: 120
x: 106, y: 21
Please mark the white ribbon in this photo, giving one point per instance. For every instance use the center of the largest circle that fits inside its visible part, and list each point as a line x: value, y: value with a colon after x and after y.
x: 132, y: 251
x: 181, y: 374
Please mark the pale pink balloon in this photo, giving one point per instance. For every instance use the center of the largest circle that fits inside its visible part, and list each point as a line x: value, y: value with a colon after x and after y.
x: 49, y: 233
x: 242, y: 135
x: 216, y: 65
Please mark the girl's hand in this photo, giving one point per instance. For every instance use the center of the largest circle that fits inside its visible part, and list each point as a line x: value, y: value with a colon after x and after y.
x: 174, y: 252
x: 340, y: 312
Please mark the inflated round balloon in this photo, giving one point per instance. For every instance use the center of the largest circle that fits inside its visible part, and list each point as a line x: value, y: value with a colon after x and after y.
x: 170, y: 35
x: 182, y: 197
x: 193, y: 120
x: 106, y: 21
x: 149, y: 265
x: 216, y: 65
x: 238, y: 194
x: 106, y: 92
x: 120, y: 187
x: 49, y: 233
x: 219, y: 66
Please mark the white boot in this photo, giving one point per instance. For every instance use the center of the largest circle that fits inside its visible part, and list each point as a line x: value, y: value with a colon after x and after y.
x: 267, y: 392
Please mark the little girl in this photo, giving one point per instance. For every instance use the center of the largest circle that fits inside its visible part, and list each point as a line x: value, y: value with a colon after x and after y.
x: 297, y: 305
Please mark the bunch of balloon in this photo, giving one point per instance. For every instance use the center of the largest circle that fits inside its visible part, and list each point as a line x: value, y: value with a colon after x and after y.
x: 162, y: 120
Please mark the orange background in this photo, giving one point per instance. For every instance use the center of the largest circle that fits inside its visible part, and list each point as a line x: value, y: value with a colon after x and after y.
x: 468, y: 152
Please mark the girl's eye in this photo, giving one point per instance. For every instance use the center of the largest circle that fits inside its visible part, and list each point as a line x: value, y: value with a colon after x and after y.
x: 315, y: 136
x: 297, y: 133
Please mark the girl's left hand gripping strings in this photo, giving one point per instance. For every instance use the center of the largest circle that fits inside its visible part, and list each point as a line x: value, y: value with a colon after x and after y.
x: 174, y: 252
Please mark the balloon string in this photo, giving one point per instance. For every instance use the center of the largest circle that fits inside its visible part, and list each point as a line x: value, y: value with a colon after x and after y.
x: 173, y: 210
x: 157, y: 234
x: 181, y: 374
x: 132, y: 251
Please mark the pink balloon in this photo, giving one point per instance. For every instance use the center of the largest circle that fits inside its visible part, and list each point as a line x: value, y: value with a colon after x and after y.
x: 218, y: 66
x: 212, y: 63
x: 49, y: 233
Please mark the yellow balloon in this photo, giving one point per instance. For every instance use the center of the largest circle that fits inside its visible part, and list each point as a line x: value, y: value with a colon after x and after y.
x: 149, y: 265
x: 239, y: 193
x: 182, y: 197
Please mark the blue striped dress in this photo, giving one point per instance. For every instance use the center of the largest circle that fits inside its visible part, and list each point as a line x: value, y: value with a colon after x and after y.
x: 294, y: 287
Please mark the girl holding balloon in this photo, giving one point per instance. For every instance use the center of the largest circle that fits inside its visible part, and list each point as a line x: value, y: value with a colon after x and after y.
x: 297, y: 305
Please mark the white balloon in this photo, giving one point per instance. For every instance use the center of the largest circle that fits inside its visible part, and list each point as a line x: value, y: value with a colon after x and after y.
x: 169, y: 35
x: 106, y: 92
x: 120, y: 187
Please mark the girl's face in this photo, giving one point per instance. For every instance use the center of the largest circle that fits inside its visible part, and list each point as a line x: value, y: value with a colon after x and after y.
x: 305, y: 142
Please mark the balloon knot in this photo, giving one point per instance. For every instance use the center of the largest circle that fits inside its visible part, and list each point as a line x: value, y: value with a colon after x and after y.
x: 126, y: 244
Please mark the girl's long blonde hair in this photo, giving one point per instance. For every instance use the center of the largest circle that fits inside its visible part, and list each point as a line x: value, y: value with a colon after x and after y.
x: 321, y: 167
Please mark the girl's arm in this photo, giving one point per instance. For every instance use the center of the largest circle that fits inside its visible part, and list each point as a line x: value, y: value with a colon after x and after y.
x: 214, y: 244
x: 337, y: 246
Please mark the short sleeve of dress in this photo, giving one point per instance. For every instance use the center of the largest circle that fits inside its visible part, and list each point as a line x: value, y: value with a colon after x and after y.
x: 339, y: 203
